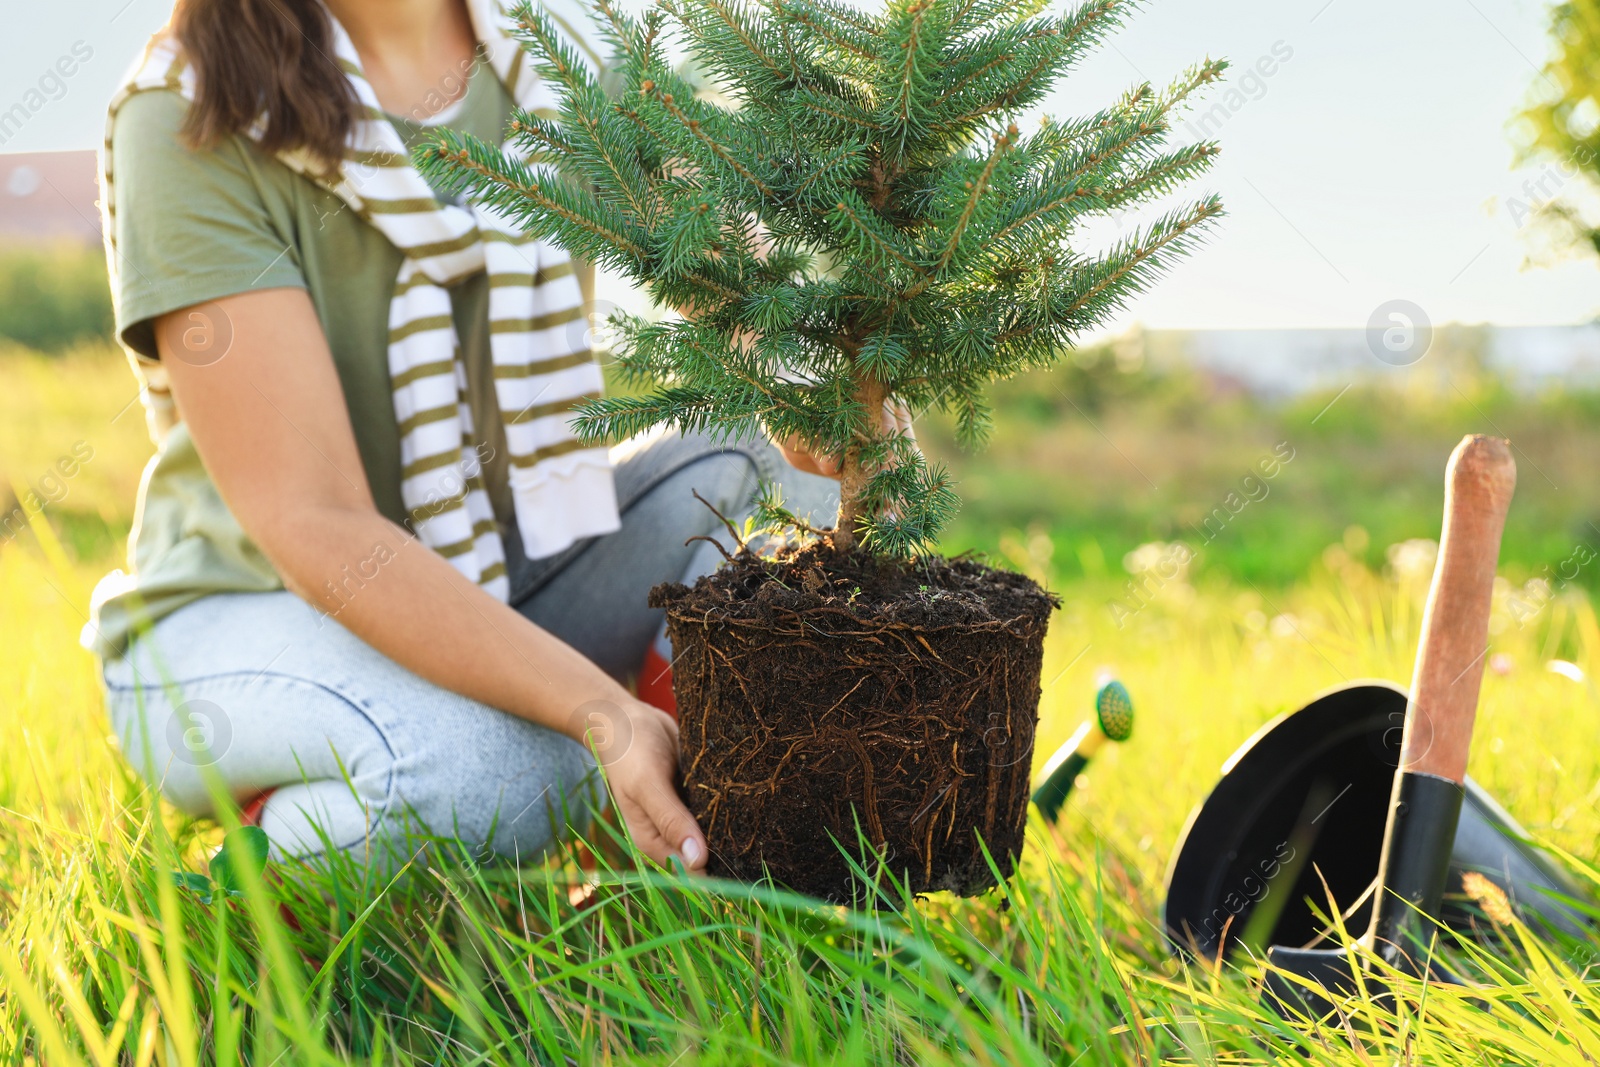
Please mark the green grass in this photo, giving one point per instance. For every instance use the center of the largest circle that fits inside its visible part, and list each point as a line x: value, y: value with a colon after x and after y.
x: 104, y: 960
x: 1102, y: 461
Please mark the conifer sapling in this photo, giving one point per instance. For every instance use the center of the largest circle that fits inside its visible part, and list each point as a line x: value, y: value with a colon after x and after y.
x: 856, y: 217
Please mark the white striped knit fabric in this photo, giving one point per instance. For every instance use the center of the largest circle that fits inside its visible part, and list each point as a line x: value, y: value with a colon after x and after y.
x: 562, y: 490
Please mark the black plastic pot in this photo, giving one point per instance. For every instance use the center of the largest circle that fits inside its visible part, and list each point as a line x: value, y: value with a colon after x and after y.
x: 1308, y: 795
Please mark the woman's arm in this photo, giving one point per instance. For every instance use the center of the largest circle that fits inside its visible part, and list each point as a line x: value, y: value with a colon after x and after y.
x: 269, y: 421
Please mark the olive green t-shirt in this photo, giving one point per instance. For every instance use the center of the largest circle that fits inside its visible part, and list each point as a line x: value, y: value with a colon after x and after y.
x: 195, y: 226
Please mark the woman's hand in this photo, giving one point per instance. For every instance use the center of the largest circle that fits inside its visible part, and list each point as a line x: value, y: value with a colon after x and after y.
x: 638, y: 746
x: 802, y: 456
x: 797, y: 452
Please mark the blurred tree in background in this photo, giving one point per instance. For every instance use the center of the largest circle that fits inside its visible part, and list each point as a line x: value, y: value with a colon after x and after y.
x: 54, y: 297
x: 1561, y: 129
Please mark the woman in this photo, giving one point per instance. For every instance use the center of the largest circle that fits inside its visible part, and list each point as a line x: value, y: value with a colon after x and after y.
x: 366, y: 605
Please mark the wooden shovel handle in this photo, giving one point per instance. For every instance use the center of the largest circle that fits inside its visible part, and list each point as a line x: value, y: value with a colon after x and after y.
x: 1455, y: 626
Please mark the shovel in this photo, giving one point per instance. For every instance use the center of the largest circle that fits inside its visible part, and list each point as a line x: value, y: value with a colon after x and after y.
x: 1428, y: 788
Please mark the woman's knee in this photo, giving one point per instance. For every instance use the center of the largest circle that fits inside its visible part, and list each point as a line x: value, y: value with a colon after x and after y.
x: 239, y: 735
x: 355, y: 753
x: 312, y: 818
x: 812, y: 497
x: 735, y: 476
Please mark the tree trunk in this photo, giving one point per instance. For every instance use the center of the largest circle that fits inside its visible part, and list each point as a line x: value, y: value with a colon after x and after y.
x: 853, y: 474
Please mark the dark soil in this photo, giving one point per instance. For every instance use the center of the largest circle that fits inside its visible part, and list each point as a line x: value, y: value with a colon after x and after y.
x: 818, y: 693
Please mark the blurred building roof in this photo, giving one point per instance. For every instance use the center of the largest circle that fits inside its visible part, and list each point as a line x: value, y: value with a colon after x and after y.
x: 1288, y: 362
x: 48, y: 196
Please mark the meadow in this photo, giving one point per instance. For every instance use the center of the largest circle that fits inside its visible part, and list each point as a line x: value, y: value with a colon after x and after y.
x: 1317, y: 578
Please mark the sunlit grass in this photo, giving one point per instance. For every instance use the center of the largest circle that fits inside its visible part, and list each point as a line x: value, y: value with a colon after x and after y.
x: 72, y: 436
x: 104, y: 960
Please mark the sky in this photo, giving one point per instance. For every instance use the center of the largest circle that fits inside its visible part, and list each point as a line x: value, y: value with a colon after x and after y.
x: 1374, y: 163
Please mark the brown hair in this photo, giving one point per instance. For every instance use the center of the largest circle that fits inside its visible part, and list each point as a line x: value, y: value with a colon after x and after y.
x: 270, y: 59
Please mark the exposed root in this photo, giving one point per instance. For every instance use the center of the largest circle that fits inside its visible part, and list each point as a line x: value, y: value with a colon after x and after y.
x: 733, y: 531
x: 821, y: 692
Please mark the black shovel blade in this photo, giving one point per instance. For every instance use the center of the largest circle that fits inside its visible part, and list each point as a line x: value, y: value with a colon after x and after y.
x: 1300, y: 812
x: 1256, y: 844
x: 1334, y: 977
x: 1331, y: 970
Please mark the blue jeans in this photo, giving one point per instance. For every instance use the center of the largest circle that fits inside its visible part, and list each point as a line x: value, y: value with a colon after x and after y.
x: 359, y: 753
